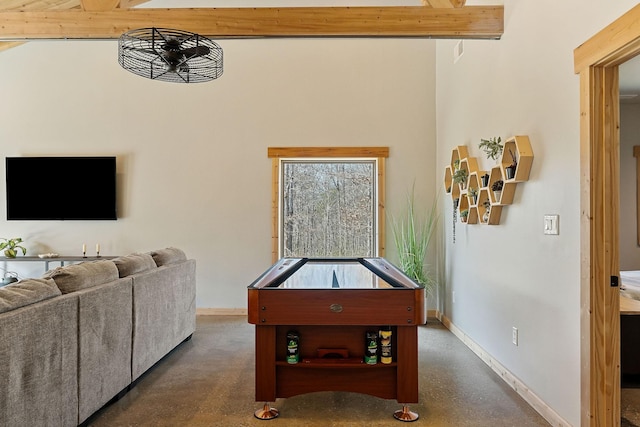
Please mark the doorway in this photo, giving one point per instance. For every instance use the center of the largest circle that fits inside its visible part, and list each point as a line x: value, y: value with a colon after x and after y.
x: 597, y: 62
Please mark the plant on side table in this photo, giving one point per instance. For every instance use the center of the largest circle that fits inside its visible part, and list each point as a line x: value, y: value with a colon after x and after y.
x: 11, y: 247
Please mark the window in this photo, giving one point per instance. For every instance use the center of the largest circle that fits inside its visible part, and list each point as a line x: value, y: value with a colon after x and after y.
x: 328, y: 202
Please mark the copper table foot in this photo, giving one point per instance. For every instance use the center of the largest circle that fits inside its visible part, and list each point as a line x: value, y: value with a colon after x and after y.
x: 405, y: 415
x: 266, y: 413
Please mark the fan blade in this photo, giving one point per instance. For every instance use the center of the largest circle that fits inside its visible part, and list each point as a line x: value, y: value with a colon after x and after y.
x: 195, y: 51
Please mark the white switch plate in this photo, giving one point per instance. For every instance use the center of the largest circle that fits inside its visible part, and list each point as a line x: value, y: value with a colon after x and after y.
x: 551, y: 223
x: 514, y: 336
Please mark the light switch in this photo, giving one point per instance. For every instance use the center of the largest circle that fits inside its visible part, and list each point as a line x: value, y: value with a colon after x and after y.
x: 551, y: 224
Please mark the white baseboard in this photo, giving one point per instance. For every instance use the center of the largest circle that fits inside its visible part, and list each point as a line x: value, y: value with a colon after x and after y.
x: 221, y: 311
x: 530, y: 397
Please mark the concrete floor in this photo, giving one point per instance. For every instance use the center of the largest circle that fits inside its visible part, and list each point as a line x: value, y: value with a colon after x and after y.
x: 209, y: 381
x: 630, y: 402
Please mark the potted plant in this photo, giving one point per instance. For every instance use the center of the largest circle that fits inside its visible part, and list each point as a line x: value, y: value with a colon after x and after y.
x: 487, y: 209
x: 412, y: 237
x: 464, y: 214
x: 460, y: 177
x: 11, y: 247
x: 485, y: 179
x: 510, y: 170
x: 496, y: 187
x: 492, y: 147
x: 473, y: 193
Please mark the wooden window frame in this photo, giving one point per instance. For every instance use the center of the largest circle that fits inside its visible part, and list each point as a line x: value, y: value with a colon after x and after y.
x: 278, y: 153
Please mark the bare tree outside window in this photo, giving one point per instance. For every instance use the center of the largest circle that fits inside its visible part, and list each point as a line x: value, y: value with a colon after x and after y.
x: 328, y: 208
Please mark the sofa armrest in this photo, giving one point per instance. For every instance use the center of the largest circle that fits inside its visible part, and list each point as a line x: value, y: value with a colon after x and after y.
x: 164, y: 312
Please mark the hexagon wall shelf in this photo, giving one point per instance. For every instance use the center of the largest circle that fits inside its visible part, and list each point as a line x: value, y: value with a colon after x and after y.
x: 486, y: 208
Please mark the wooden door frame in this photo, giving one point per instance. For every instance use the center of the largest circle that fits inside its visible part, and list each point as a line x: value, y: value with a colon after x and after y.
x: 597, y: 62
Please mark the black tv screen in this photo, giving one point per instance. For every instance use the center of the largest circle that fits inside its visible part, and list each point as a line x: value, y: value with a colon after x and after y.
x: 61, y: 188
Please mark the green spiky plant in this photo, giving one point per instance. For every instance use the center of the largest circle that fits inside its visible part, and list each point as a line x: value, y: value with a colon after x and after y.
x: 11, y: 247
x: 412, y: 236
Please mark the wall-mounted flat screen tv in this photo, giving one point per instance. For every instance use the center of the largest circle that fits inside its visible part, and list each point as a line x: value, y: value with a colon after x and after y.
x: 61, y: 188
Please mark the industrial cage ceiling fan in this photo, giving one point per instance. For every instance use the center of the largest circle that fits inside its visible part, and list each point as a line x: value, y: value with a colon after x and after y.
x: 170, y: 55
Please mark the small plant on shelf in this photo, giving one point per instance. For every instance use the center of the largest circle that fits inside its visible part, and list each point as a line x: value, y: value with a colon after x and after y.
x: 487, y: 208
x: 492, y: 147
x: 510, y: 170
x: 11, y: 247
x: 473, y: 193
x: 485, y: 179
x: 460, y: 177
x: 496, y: 187
x: 464, y: 214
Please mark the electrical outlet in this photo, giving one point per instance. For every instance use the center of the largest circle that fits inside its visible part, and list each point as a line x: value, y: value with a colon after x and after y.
x: 453, y: 296
x: 514, y: 336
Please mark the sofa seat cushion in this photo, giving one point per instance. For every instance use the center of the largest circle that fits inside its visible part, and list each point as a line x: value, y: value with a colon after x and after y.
x: 134, y: 263
x: 26, y: 292
x: 72, y: 278
x: 168, y: 256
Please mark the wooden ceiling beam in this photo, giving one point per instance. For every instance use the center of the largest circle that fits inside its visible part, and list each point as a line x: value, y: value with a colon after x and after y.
x: 131, y: 3
x: 479, y: 22
x: 99, y: 5
x: 444, y: 3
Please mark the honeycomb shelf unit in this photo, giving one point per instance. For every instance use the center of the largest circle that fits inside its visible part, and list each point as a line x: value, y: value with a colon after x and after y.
x: 476, y: 195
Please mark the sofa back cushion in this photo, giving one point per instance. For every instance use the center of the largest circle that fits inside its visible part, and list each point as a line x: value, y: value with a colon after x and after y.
x: 26, y: 292
x: 85, y: 275
x: 168, y: 256
x: 134, y: 263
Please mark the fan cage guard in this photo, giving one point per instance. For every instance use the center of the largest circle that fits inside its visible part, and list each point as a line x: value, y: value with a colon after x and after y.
x: 150, y: 53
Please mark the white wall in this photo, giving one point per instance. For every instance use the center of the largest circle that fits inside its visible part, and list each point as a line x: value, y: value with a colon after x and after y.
x: 511, y: 274
x: 192, y: 159
x: 629, y: 137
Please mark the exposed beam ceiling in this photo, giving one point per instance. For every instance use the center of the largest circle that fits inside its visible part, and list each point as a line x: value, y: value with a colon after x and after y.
x: 479, y: 22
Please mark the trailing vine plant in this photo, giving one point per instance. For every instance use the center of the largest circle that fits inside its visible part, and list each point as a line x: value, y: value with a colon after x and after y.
x: 455, y: 217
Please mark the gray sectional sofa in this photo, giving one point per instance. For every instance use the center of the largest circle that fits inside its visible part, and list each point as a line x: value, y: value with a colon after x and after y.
x: 79, y: 336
